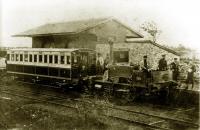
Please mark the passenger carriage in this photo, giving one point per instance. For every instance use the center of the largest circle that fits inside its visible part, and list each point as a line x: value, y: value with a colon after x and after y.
x: 51, y: 66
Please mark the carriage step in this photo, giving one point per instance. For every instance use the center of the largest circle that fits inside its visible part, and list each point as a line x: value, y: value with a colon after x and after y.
x: 122, y: 90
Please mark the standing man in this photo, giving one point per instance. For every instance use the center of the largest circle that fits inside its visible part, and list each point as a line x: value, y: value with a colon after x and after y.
x: 190, y: 74
x: 100, y: 64
x: 162, y: 64
x: 106, y: 62
x: 145, y: 62
x: 175, y: 69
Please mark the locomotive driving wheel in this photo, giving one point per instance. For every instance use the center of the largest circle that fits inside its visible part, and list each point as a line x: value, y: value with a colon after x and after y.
x: 131, y: 95
x: 125, y: 96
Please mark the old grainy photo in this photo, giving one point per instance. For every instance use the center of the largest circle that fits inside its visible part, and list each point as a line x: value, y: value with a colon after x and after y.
x: 99, y: 65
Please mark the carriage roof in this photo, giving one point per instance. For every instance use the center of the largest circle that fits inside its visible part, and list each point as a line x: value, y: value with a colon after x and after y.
x: 51, y: 49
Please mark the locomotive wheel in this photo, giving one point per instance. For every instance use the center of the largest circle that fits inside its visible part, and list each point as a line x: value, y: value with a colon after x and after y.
x: 131, y: 95
x: 125, y: 97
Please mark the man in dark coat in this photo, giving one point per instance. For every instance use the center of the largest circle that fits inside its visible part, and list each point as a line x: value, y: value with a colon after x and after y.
x: 175, y: 69
x: 106, y: 62
x: 162, y: 64
x: 190, y: 74
x: 146, y: 67
x: 100, y: 64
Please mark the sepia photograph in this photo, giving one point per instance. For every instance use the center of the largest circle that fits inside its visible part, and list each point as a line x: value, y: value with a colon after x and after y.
x: 99, y: 65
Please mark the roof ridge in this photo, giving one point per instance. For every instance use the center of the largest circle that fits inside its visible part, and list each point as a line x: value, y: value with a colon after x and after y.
x: 72, y: 27
x: 79, y: 20
x: 101, y: 22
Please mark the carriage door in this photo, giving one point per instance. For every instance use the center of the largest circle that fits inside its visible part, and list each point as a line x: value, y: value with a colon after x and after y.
x: 75, y: 64
x: 84, y: 62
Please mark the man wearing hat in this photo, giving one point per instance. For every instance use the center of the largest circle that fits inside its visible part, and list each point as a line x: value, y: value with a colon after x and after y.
x: 175, y: 69
x: 100, y: 64
x: 162, y: 64
x: 145, y: 61
x: 146, y: 67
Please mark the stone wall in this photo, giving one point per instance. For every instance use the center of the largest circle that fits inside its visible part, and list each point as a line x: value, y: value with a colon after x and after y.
x: 138, y: 50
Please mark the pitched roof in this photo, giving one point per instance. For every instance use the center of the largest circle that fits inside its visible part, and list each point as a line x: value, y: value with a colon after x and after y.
x: 155, y: 44
x: 72, y: 27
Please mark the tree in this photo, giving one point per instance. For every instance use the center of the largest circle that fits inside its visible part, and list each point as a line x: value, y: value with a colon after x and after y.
x: 152, y: 29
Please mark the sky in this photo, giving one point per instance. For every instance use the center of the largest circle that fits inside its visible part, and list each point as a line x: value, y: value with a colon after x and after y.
x: 178, y: 20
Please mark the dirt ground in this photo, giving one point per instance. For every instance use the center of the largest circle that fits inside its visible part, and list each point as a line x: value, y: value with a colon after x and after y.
x: 22, y: 114
x: 18, y: 113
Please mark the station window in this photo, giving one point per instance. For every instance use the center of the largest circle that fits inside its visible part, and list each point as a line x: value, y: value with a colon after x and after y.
x: 8, y: 57
x: 35, y: 58
x: 17, y: 57
x: 12, y: 57
x: 50, y: 58
x: 30, y: 58
x: 26, y: 57
x: 40, y: 58
x: 45, y: 58
x: 121, y: 56
x: 21, y: 57
x: 68, y: 59
x: 55, y: 59
x: 62, y: 59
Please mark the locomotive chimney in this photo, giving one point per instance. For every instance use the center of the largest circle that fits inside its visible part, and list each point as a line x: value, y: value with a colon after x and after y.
x: 111, y: 41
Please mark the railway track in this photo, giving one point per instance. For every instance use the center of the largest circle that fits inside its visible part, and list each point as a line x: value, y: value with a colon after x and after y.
x: 131, y: 116
x: 166, y: 108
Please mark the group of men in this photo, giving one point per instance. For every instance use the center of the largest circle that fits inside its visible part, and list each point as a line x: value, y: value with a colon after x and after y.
x: 162, y: 66
x: 174, y: 66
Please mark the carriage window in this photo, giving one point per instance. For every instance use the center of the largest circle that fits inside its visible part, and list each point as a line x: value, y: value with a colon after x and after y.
x: 17, y: 57
x: 79, y: 58
x: 12, y: 57
x: 62, y: 61
x: 75, y: 59
x: 50, y: 58
x: 55, y: 59
x: 45, y: 58
x: 35, y: 58
x: 26, y: 57
x: 21, y: 57
x: 8, y: 57
x: 68, y: 60
x: 30, y: 58
x: 40, y: 58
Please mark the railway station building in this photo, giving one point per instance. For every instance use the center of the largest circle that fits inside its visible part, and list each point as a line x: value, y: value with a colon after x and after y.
x: 129, y: 46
